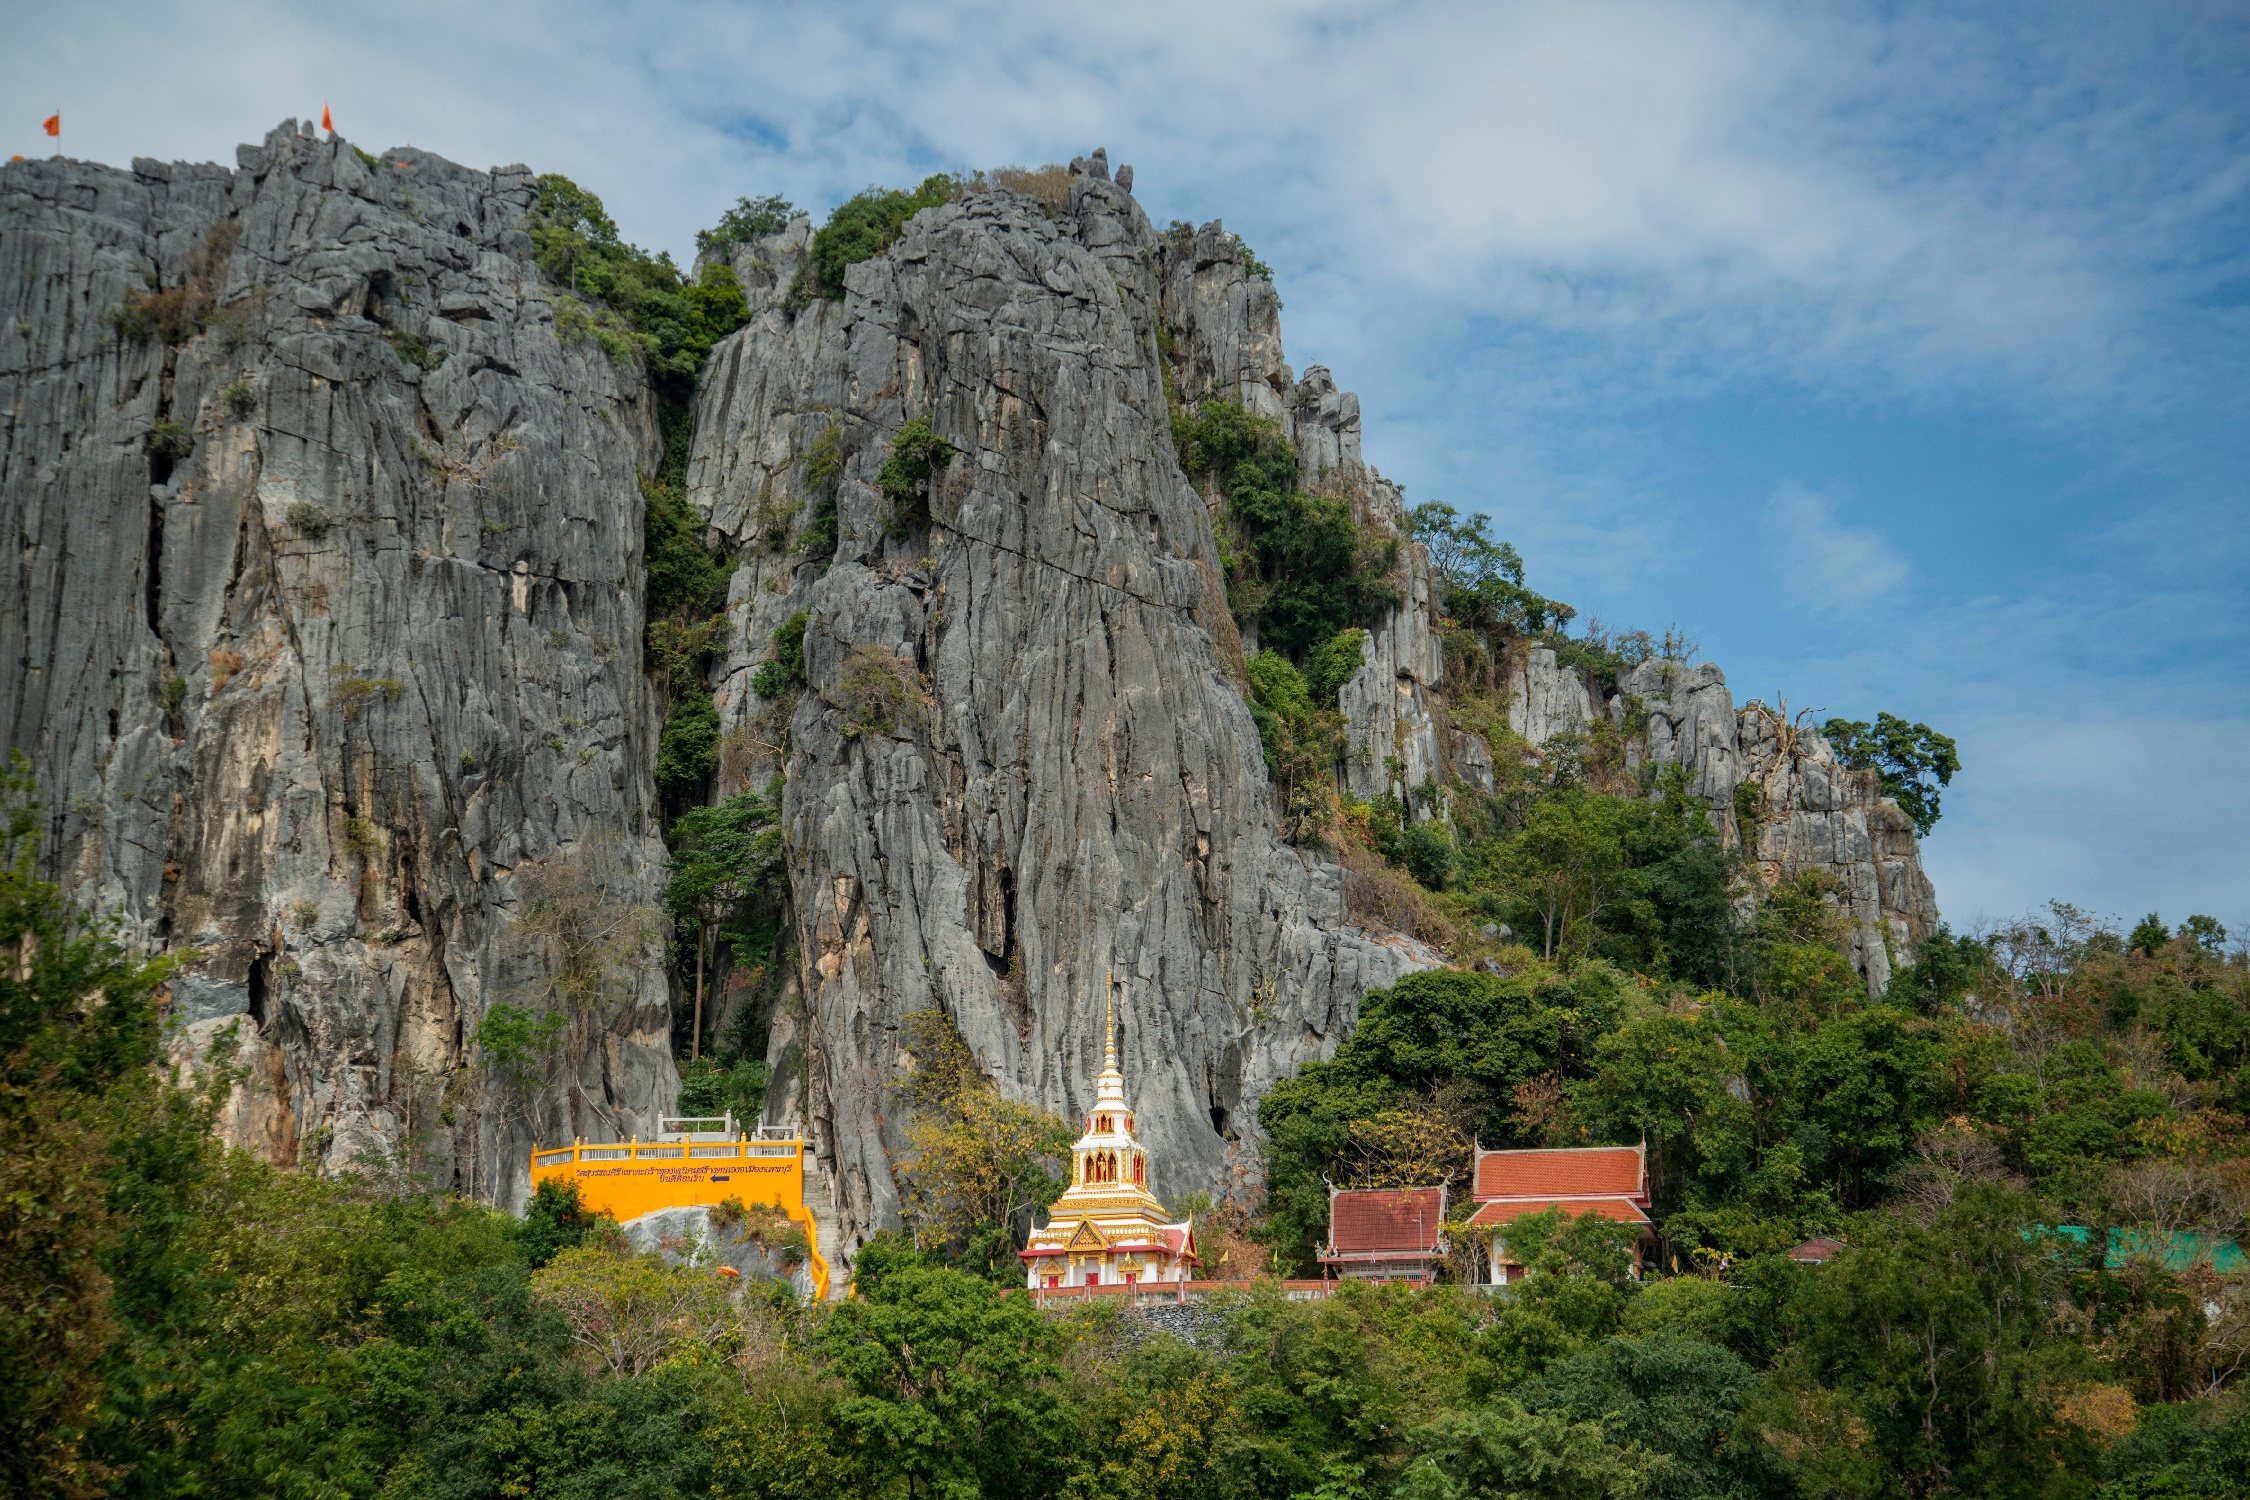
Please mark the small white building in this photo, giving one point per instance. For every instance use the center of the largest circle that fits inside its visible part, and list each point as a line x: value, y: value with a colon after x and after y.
x: 1107, y: 1229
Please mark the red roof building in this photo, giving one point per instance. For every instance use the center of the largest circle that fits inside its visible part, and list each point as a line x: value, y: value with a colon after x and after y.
x: 1384, y: 1234
x: 1611, y: 1181
x: 1816, y: 1251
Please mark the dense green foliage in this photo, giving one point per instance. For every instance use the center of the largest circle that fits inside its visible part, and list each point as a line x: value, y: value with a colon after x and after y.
x: 864, y: 226
x: 749, y: 219
x: 713, y: 1087
x: 687, y: 750
x: 633, y: 304
x: 916, y: 455
x: 728, y: 879
x: 784, y: 671
x: 2005, y: 1083
x: 1299, y: 567
x: 1913, y: 759
x: 1298, y: 724
x: 1480, y: 576
x: 687, y: 580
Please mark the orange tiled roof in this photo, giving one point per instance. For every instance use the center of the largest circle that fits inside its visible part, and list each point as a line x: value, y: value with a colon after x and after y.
x: 1405, y: 1220
x: 1508, y: 1210
x: 1580, y: 1172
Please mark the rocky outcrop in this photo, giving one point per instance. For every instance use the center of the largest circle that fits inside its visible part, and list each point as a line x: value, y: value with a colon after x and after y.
x: 323, y: 629
x: 1390, y: 706
x: 1020, y: 764
x: 1812, y: 813
x: 1546, y: 700
x: 1225, y: 328
x: 696, y: 1236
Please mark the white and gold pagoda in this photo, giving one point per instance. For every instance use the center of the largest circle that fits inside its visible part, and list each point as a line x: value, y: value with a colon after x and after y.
x: 1107, y: 1229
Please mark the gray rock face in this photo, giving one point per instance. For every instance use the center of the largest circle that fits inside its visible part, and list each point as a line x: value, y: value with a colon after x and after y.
x: 325, y: 642
x: 687, y: 1236
x: 1814, y: 813
x: 1546, y: 700
x: 1389, y: 706
x: 311, y: 696
x: 1066, y: 782
x: 1226, y: 324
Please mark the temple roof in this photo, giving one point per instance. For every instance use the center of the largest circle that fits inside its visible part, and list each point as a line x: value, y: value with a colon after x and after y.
x: 1579, y: 1172
x: 1404, y: 1220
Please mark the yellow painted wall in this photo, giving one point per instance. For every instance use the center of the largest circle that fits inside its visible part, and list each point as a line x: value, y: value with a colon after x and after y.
x: 631, y: 1179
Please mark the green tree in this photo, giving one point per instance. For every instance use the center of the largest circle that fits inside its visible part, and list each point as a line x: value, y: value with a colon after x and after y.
x: 864, y: 226
x: 977, y: 1165
x: 687, y: 749
x: 1502, y: 1452
x: 727, y: 875
x: 1914, y: 761
x: 556, y: 1220
x: 1679, y: 1399
x: 1568, y: 862
x: 785, y: 670
x: 1302, y: 738
x: 954, y: 1390
x: 1671, y: 1079
x: 2149, y: 935
x: 1299, y: 568
x: 1482, y: 577
x: 78, y: 1024
x: 2209, y: 935
x: 1929, y: 1361
x: 1867, y: 1082
x: 917, y: 454
x: 637, y: 305
x: 749, y: 219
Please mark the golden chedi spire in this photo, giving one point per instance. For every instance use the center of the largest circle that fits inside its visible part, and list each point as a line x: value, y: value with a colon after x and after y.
x: 1108, y: 1227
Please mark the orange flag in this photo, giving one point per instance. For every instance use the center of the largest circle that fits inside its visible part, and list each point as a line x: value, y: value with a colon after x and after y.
x: 326, y: 123
x: 54, y: 124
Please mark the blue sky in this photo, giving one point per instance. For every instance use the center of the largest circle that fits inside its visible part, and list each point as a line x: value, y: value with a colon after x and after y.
x: 1900, y: 354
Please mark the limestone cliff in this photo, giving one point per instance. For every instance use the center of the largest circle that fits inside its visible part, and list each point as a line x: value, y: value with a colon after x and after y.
x: 325, y: 631
x: 323, y: 621
x: 1069, y: 783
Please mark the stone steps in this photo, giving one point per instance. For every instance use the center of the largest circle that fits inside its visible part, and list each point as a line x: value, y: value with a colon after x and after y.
x: 828, y: 1239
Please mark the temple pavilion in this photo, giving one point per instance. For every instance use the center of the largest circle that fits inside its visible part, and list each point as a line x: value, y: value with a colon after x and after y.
x: 1107, y: 1229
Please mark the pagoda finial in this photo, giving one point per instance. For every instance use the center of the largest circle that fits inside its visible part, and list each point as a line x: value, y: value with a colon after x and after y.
x: 1109, y: 1021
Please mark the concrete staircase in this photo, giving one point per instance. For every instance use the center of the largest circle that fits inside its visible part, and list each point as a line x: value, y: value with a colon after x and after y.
x: 829, y: 1240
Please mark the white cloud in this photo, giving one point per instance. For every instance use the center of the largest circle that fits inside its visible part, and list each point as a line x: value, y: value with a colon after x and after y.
x: 1530, y: 234
x: 1819, y: 562
x: 1701, y: 177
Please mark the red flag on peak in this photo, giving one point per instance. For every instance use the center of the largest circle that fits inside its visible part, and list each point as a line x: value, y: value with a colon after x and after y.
x: 54, y: 123
x: 326, y: 123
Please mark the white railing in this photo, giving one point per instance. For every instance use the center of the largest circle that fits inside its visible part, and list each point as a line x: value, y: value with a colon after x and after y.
x: 735, y: 1150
